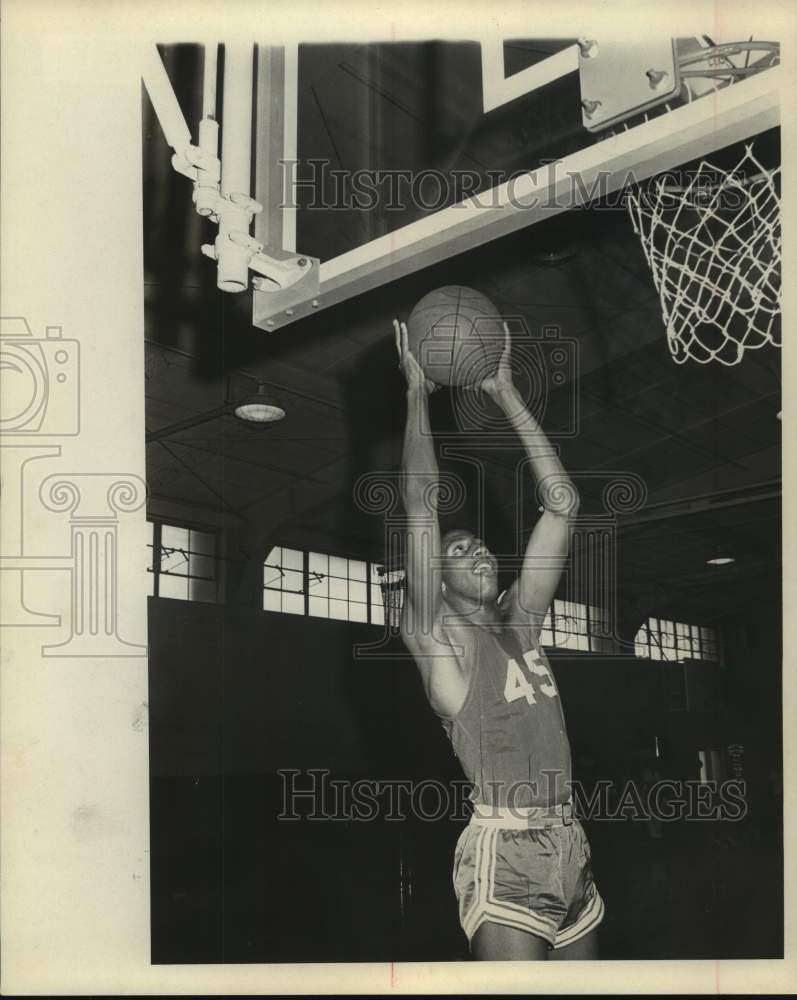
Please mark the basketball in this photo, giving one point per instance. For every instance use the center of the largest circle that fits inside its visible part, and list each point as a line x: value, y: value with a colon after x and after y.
x: 457, y: 335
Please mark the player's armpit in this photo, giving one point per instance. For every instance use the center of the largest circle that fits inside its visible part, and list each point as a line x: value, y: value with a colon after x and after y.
x: 444, y: 679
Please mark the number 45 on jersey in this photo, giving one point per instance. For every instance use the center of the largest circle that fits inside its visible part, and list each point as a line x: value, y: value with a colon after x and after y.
x: 518, y: 682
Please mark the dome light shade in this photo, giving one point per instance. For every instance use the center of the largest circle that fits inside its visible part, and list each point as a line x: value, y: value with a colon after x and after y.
x: 721, y: 558
x: 258, y: 408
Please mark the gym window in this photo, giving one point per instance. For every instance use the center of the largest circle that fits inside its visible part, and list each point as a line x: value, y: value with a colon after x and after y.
x: 337, y: 587
x: 570, y: 625
x: 660, y: 639
x: 283, y: 581
x: 328, y: 586
x: 183, y: 563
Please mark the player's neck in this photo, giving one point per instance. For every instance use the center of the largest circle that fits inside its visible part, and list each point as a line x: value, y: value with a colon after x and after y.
x: 479, y: 614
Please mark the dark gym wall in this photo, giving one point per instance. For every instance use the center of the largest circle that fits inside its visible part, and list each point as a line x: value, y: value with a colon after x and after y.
x: 236, y: 695
x: 240, y: 692
x: 246, y: 692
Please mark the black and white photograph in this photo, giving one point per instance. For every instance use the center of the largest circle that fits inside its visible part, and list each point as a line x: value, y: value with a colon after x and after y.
x: 393, y: 500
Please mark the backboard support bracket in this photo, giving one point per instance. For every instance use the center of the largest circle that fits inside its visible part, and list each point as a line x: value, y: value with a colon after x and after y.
x: 222, y: 186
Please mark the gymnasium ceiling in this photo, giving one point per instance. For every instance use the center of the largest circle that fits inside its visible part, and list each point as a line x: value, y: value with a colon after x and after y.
x: 688, y: 431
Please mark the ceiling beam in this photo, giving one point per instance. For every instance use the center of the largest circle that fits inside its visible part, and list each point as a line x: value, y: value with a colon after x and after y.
x: 189, y: 422
x: 701, y: 504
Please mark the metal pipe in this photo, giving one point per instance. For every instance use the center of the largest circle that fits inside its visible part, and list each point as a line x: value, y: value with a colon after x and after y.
x: 206, y: 190
x: 236, y: 138
x: 164, y: 101
x: 209, y: 79
x: 235, y: 216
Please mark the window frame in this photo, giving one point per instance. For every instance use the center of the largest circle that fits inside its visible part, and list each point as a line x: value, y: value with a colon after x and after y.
x: 654, y: 637
x: 155, y: 563
x: 369, y: 581
x: 594, y: 619
x: 329, y: 556
x: 265, y: 588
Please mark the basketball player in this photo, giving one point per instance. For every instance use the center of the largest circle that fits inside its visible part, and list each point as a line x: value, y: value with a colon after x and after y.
x: 522, y: 865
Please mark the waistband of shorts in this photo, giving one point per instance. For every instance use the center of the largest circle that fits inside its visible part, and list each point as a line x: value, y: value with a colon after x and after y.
x: 523, y: 818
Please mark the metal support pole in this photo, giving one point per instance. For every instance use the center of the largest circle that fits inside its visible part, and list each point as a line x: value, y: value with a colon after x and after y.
x: 166, y: 106
x: 233, y: 251
x: 209, y: 78
x: 222, y: 190
x: 206, y: 189
x: 236, y: 141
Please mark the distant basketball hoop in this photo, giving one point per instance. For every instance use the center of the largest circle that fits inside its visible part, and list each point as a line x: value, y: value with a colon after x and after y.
x: 391, y: 583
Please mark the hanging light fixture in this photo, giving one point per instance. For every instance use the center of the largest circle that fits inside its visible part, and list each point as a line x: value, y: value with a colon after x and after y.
x: 259, y: 407
x: 722, y: 558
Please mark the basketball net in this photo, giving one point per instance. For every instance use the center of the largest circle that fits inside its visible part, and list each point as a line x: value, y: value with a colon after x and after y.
x: 714, y: 245
x: 717, y: 271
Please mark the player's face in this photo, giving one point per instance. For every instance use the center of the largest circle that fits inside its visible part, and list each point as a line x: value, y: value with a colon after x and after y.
x: 469, y: 568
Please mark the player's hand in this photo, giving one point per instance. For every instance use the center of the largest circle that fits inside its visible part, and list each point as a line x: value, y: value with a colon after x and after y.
x: 500, y: 385
x: 408, y: 364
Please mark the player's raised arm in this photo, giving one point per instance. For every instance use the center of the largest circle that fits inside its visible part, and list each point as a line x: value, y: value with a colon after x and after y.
x: 546, y: 553
x: 419, y: 483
